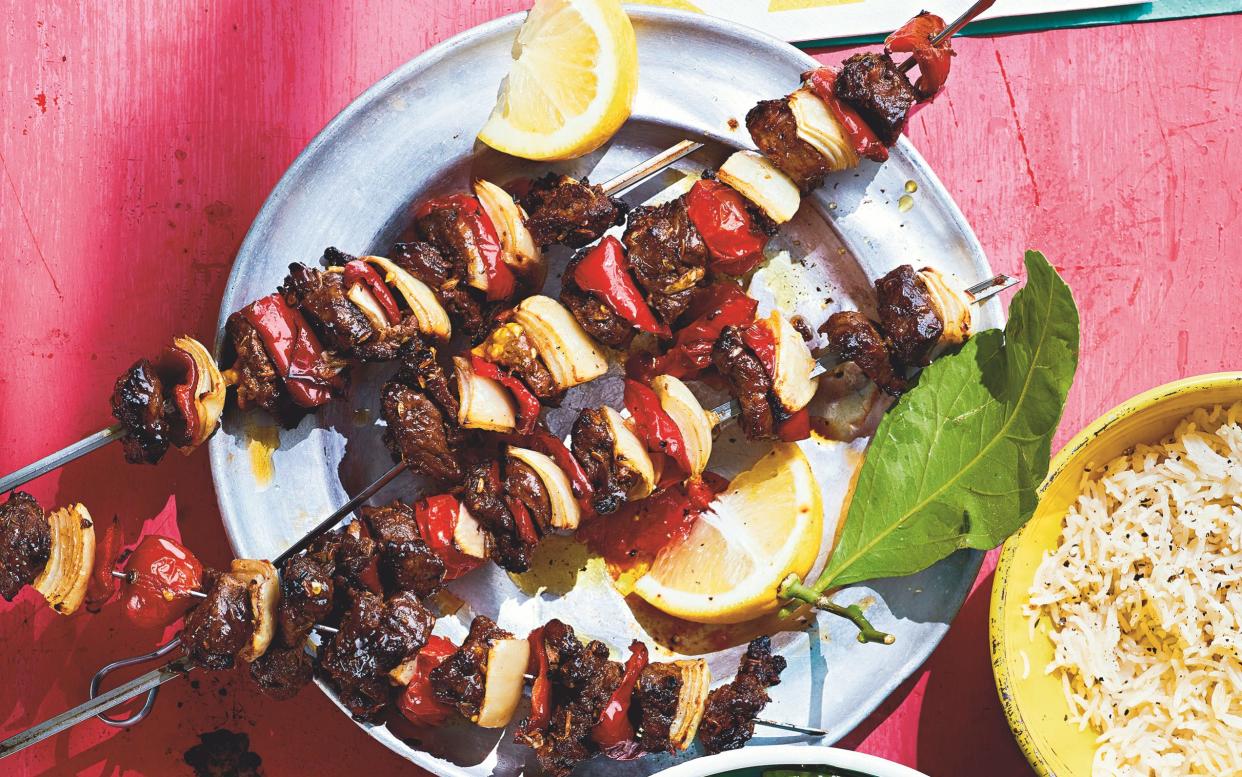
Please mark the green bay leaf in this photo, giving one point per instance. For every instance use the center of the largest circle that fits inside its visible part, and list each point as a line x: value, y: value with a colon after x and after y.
x: 957, y: 462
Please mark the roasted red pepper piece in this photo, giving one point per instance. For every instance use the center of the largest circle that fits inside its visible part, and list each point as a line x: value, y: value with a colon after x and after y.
x: 521, y: 517
x: 528, y: 403
x: 719, y: 305
x: 162, y: 573
x: 934, y: 61
x: 102, y: 584
x: 501, y: 282
x: 417, y: 703
x: 637, y: 532
x: 656, y: 427
x: 720, y: 215
x: 293, y: 348
x: 178, y: 369
x: 360, y: 273
x: 437, y: 517
x: 759, y: 338
x: 605, y: 272
x: 614, y: 731
x: 541, y: 688
x: 866, y: 143
x: 795, y: 427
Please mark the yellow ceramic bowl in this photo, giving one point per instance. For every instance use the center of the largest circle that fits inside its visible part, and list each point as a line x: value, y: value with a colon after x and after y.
x: 1033, y: 701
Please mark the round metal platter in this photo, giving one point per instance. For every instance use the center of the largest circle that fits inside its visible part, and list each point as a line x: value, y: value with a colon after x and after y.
x: 412, y: 135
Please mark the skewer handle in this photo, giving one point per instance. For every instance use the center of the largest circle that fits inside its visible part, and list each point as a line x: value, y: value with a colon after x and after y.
x: 61, y: 457
x: 139, y: 686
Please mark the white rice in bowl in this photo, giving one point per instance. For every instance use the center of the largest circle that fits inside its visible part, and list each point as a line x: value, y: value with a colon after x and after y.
x: 1144, y: 600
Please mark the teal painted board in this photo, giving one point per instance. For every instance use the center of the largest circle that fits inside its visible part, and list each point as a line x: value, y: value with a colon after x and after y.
x: 1090, y: 17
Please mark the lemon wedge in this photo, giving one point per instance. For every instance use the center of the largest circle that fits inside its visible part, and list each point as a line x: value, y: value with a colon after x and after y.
x: 571, y: 84
x: 767, y: 524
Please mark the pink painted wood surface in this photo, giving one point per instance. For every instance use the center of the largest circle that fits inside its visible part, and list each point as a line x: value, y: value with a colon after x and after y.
x: 140, y: 137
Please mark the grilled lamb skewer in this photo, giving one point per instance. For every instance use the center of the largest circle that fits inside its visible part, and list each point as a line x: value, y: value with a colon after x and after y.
x: 582, y: 702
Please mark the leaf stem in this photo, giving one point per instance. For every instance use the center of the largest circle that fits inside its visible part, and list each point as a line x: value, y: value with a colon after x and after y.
x: 792, y: 588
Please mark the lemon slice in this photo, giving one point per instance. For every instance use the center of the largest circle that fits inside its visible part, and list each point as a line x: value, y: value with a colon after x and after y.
x: 571, y: 84
x: 767, y: 524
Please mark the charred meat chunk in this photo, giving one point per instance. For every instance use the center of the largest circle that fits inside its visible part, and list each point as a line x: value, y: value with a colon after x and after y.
x: 667, y: 256
x: 258, y: 382
x: 656, y: 699
x: 306, y: 596
x: 729, y: 718
x: 25, y: 543
x: 282, y: 671
x: 583, y: 680
x: 460, y: 681
x: 749, y: 383
x: 138, y: 403
x: 563, y: 210
x: 909, y: 316
x: 447, y: 281
x: 375, y: 636
x: 509, y: 346
x: 419, y: 434
x: 523, y: 484
x: 594, y: 314
x: 774, y: 129
x: 354, y: 559
x: 406, y: 562
x: 874, y: 86
x: 421, y: 371
x: 855, y: 338
x: 320, y: 296
x: 593, y: 446
x: 484, y: 497
x: 221, y: 625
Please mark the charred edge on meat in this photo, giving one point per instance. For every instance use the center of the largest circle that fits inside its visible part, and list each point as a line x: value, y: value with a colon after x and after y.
x: 374, y: 637
x: 565, y: 211
x: 855, y: 338
x: 667, y: 256
x: 138, y: 403
x: 25, y: 543
x: 729, y: 717
x: 592, y: 444
x: 774, y: 129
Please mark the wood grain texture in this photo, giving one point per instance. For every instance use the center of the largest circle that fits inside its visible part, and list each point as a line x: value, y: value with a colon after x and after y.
x: 140, y: 137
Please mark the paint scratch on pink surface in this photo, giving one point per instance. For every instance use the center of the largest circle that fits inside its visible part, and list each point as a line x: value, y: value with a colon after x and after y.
x: 34, y: 239
x: 1017, y: 124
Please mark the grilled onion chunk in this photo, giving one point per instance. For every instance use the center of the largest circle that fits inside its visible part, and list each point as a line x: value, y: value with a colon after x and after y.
x: 68, y: 571
x: 264, y: 585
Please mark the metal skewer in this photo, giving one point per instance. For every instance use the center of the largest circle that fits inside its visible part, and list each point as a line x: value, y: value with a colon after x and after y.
x: 61, y: 457
x: 954, y: 28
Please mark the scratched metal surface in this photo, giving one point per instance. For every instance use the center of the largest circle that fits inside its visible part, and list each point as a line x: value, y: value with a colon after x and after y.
x: 125, y: 193
x: 353, y: 187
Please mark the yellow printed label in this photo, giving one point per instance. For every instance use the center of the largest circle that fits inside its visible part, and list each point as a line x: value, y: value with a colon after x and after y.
x: 802, y: 5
